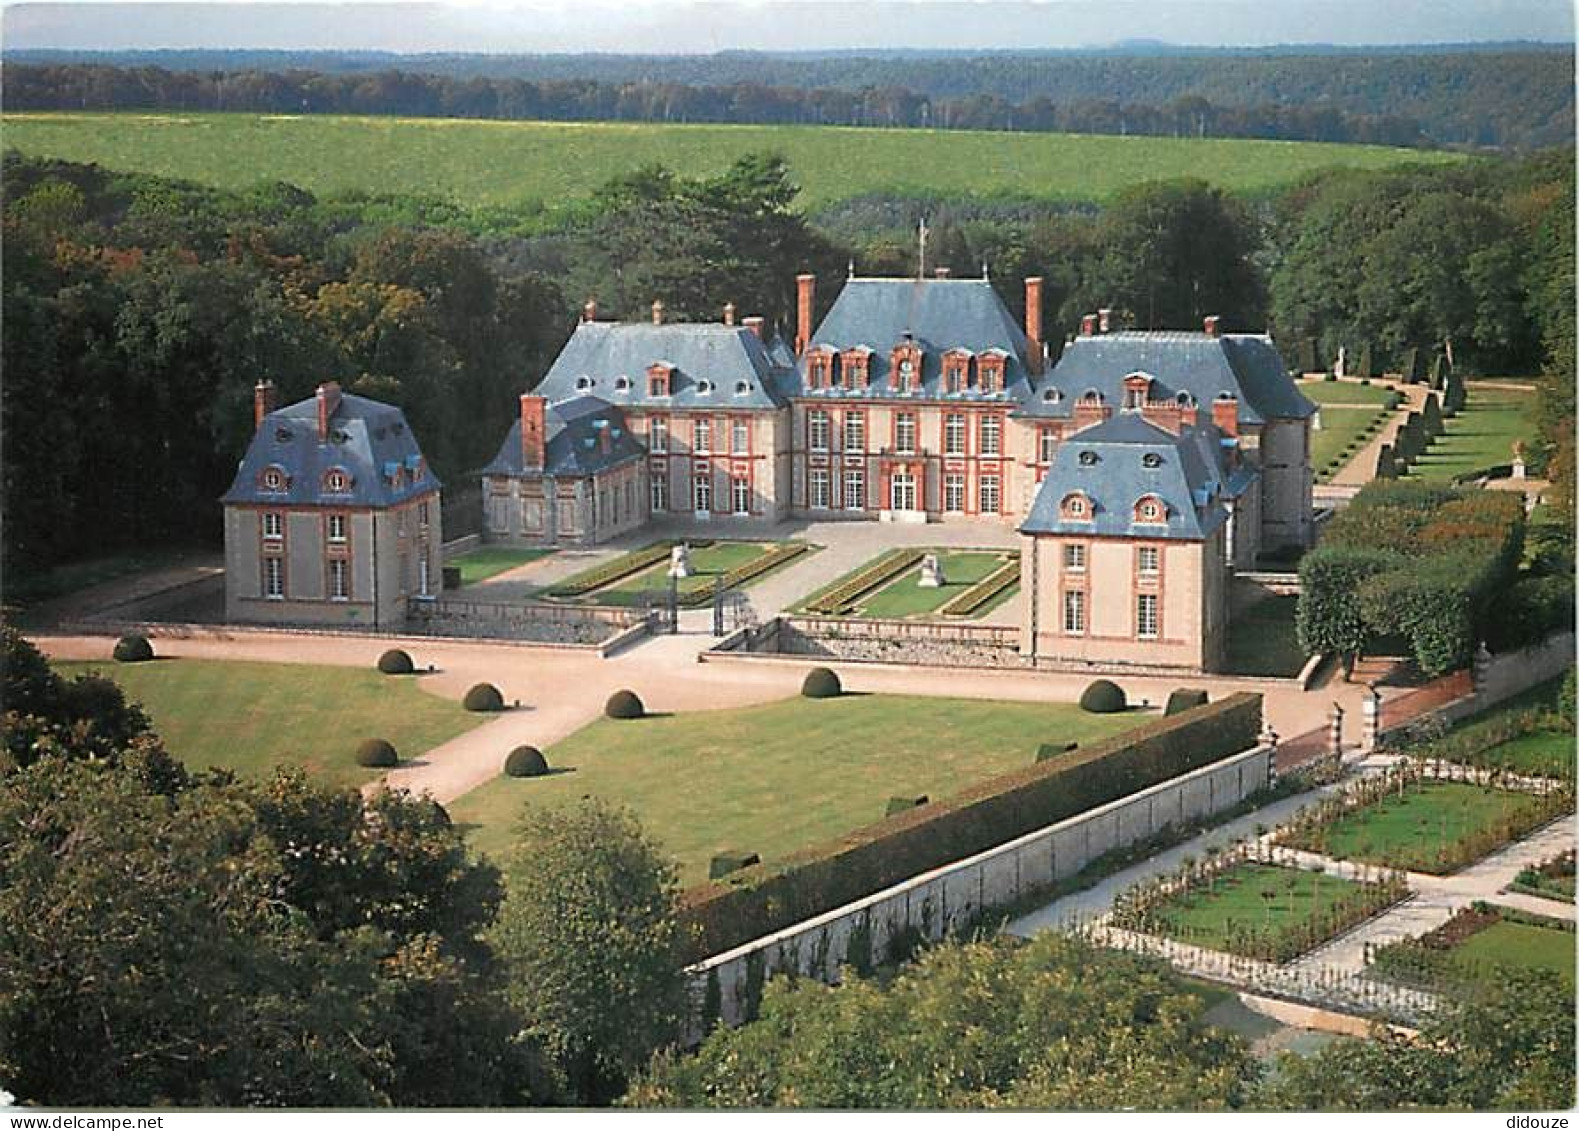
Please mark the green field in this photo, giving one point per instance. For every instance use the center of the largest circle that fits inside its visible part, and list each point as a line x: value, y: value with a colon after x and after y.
x: 490, y: 561
x: 1544, y: 752
x: 1250, y: 896
x: 1481, y: 436
x: 252, y: 717
x: 1344, y: 432
x: 516, y: 163
x: 1347, y: 393
x: 1519, y: 946
x: 782, y: 776
x: 1262, y: 640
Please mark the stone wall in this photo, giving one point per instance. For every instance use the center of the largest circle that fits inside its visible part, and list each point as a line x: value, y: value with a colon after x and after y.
x: 935, y: 903
x: 536, y: 623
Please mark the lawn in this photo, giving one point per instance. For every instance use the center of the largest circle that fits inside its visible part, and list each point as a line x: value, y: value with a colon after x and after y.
x: 707, y: 562
x: 1544, y: 752
x: 1262, y: 640
x: 252, y: 717
x: 1344, y: 431
x: 1436, y: 826
x: 1519, y: 946
x: 903, y: 597
x: 490, y: 561
x: 1348, y: 393
x: 1480, y: 945
x: 512, y: 164
x: 635, y: 576
x: 782, y: 776
x: 26, y: 588
x: 1481, y: 436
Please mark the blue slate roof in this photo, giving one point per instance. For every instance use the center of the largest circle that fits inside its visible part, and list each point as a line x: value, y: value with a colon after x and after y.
x: 1115, y: 463
x: 368, y: 439
x: 1246, y: 365
x: 940, y: 315
x: 715, y: 366
x: 575, y: 447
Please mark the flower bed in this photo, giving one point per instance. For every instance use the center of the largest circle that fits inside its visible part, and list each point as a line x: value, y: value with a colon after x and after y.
x: 986, y: 590
x: 843, y: 597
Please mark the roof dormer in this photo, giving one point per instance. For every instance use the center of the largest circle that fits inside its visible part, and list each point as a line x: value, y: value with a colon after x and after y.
x: 660, y: 379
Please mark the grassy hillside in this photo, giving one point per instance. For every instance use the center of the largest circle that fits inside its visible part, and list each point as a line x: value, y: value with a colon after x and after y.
x: 513, y: 163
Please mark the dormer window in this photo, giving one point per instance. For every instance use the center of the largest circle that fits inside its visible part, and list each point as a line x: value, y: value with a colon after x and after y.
x: 990, y: 367
x: 856, y: 366
x: 1088, y: 459
x: 274, y: 478
x: 1091, y: 397
x: 956, y: 370
x: 584, y: 382
x: 283, y: 435
x: 819, y: 368
x: 742, y: 388
x: 337, y: 481
x: 905, y: 372
x: 622, y: 384
x: 1137, y: 387
x: 704, y: 388
x: 660, y: 380
x: 1076, y: 507
x: 1185, y: 400
x: 1150, y: 510
x: 1053, y: 395
x: 1151, y: 459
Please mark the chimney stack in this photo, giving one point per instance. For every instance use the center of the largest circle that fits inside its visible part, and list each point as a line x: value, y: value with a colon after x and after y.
x: 729, y: 314
x: 264, y: 401
x: 534, y: 412
x: 941, y: 272
x: 605, y: 437
x: 328, y: 401
x: 1088, y: 325
x: 757, y: 325
x: 805, y: 301
x: 589, y: 312
x: 1210, y: 325
x: 1105, y: 319
x: 1033, y: 321
x: 1225, y: 414
x: 657, y: 312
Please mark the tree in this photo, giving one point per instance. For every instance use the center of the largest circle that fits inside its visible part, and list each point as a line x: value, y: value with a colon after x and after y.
x: 588, y: 935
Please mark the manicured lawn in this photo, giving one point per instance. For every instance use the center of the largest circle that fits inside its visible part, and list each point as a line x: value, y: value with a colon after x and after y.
x: 1481, y: 436
x: 252, y: 717
x: 782, y: 776
x: 1414, y: 831
x: 1250, y: 896
x: 1545, y: 752
x: 1262, y: 641
x: 709, y: 561
x: 1342, y: 429
x: 1347, y: 393
x: 1518, y: 946
x: 490, y: 561
x: 903, y: 597
x: 1479, y: 946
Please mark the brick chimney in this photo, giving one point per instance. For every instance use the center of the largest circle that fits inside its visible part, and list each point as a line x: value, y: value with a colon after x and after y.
x: 657, y: 312
x: 328, y: 401
x: 534, y: 412
x: 605, y: 437
x: 805, y: 303
x: 1210, y: 324
x: 1088, y: 325
x: 756, y: 324
x: 1225, y: 414
x: 1105, y: 319
x: 729, y: 314
x: 589, y: 311
x: 1033, y: 321
x: 264, y: 401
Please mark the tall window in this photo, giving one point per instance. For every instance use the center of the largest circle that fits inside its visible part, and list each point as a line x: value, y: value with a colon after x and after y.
x: 991, y: 435
x: 337, y: 527
x: 1148, y: 560
x: 1074, y: 611
x: 854, y: 432
x: 740, y: 494
x: 740, y: 436
x: 658, y: 490
x: 702, y: 494
x: 819, y: 488
x: 658, y: 435
x: 424, y: 515
x: 855, y: 490
x: 954, y: 434
x: 1049, y: 445
x: 902, y: 491
x: 273, y: 524
x: 954, y: 493
x: 1074, y: 557
x: 817, y: 430
x: 339, y: 580
x: 702, y: 435
x: 990, y: 494
x: 1146, y: 616
x: 905, y: 433
x: 274, y: 578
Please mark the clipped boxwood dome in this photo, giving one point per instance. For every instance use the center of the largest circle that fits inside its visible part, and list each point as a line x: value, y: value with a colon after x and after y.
x: 624, y: 704
x: 376, y: 753
x: 396, y: 661
x: 132, y: 649
x: 1184, y: 698
x: 821, y: 683
x: 525, y: 762
x: 1103, y: 697
x: 483, y: 697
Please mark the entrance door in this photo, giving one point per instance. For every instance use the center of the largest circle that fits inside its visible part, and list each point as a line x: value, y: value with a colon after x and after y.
x: 902, y: 492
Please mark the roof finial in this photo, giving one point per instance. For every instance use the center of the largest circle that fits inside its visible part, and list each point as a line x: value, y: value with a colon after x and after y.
x: 921, y: 249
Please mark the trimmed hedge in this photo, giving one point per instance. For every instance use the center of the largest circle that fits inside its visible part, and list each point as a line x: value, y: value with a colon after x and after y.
x: 985, y: 590
x: 376, y: 754
x: 841, y: 598
x: 716, y: 917
x: 821, y: 683
x: 133, y: 649
x: 1103, y: 697
x: 1047, y: 751
x: 483, y: 697
x: 1182, y: 699
x: 396, y: 662
x: 525, y: 762
x: 726, y: 862
x: 624, y: 704
x: 610, y: 572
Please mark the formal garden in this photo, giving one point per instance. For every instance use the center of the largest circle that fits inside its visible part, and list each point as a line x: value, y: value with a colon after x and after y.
x: 1477, y: 948
x: 1550, y: 879
x: 254, y: 717
x: 894, y: 586
x: 487, y: 562
x: 1351, y: 415
x: 635, y: 577
x: 1482, y: 434
x: 767, y: 780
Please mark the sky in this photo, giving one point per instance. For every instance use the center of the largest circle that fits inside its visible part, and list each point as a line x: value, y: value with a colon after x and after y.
x: 679, y: 26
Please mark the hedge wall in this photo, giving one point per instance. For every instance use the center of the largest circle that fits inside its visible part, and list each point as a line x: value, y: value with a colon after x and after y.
x: 718, y: 917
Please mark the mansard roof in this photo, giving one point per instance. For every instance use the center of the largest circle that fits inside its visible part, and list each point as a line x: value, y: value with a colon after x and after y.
x: 369, y: 440
x: 1246, y: 366
x: 938, y: 315
x: 1127, y: 458
x: 714, y: 366
x: 574, y: 446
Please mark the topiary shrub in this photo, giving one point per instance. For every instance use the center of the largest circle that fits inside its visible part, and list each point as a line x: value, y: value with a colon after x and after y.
x: 483, y: 697
x: 1182, y: 699
x: 525, y: 762
x: 376, y: 754
x: 1103, y: 697
x: 727, y: 862
x: 624, y: 704
x: 396, y: 662
x: 902, y: 804
x: 821, y: 683
x: 1047, y: 751
x: 133, y: 649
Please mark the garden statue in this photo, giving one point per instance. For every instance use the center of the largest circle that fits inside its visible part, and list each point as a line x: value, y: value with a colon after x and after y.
x: 931, y: 572
x: 1518, y: 459
x: 1341, y: 364
x: 680, y: 561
